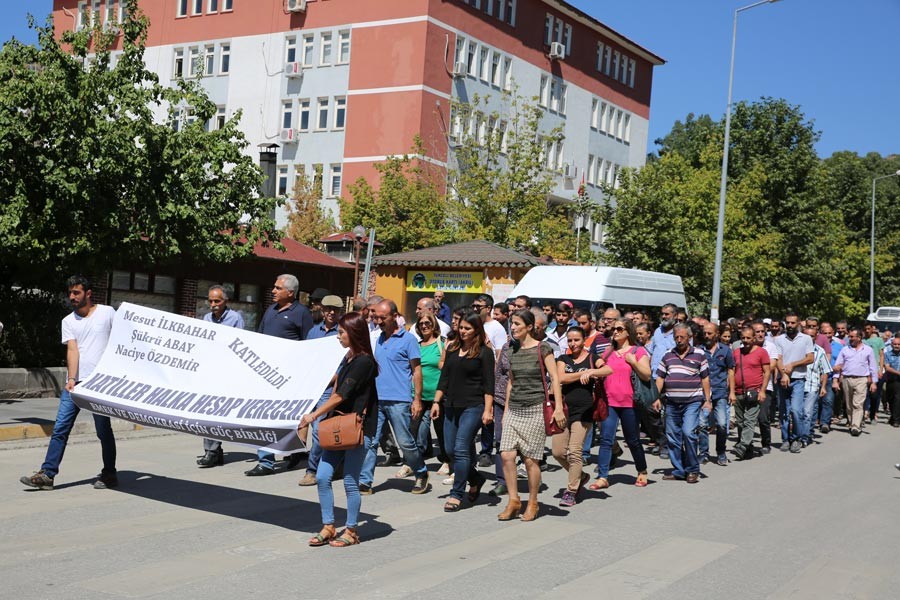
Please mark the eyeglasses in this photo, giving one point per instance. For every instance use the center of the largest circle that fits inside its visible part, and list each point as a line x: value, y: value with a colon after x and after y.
x: 479, y: 306
x: 618, y: 329
x: 425, y: 324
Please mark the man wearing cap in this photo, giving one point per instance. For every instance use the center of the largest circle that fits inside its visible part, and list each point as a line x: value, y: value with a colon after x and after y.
x: 315, y: 304
x: 332, y: 308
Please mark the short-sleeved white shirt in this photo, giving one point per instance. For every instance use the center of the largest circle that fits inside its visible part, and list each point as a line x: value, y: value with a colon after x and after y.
x: 91, y: 334
x: 774, y: 353
x: 496, y: 333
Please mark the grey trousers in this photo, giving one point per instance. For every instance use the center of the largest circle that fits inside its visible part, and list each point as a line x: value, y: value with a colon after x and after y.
x: 746, y: 415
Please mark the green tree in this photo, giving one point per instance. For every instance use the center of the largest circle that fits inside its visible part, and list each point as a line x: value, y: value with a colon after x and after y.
x: 408, y: 210
x: 500, y: 186
x: 308, y: 222
x: 104, y: 165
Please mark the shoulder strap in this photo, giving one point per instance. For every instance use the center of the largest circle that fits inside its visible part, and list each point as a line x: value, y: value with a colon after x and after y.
x: 542, y: 368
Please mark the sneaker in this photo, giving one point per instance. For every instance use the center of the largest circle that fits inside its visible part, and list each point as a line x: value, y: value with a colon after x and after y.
x: 393, y: 460
x: 704, y: 460
x: 485, y: 460
x: 421, y: 484
x: 292, y: 461
x: 796, y: 446
x: 785, y: 446
x: 854, y: 431
x: 106, y: 481
x: 825, y: 428
x: 766, y: 449
x: 544, y: 466
x: 722, y: 461
x: 804, y: 443
x: 664, y: 455
x: 897, y: 466
x: 308, y: 480
x: 404, y: 472
x: 521, y: 472
x: 444, y: 470
x: 568, y: 499
x: 498, y: 490
x: 365, y: 490
x: 447, y: 481
x: 39, y: 480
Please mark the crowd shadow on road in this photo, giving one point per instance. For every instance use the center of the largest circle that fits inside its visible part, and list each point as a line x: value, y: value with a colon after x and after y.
x: 294, y: 514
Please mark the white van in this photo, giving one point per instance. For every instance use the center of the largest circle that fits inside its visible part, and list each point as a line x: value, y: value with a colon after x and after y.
x: 596, y: 288
x: 886, y: 318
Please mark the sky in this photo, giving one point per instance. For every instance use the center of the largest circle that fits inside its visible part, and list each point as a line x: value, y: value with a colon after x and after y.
x: 837, y: 60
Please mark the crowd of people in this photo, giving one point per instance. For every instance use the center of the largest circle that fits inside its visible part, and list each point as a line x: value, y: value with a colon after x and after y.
x: 493, y: 381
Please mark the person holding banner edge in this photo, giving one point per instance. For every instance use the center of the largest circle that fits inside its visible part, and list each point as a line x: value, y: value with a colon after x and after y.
x: 285, y: 318
x: 354, y: 391
x: 85, y: 332
x: 217, y: 298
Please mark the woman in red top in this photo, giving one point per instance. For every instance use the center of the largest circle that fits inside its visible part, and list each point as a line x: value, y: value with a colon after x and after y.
x: 624, y: 356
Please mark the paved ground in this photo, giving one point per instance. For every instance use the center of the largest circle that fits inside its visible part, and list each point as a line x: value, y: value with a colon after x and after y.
x: 815, y: 525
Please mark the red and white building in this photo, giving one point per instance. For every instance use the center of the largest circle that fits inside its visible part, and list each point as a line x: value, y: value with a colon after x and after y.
x: 341, y: 84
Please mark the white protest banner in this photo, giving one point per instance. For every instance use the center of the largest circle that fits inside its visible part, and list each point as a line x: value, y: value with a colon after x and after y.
x: 173, y: 372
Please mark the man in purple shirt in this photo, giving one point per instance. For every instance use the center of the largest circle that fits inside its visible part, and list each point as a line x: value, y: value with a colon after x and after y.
x: 858, y: 373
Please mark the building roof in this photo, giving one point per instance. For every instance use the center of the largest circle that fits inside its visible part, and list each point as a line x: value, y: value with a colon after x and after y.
x: 477, y: 253
x: 346, y: 236
x: 296, y: 252
x: 593, y: 23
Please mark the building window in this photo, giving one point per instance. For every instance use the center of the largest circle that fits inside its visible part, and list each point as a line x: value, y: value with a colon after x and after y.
x: 554, y: 95
x: 632, y: 65
x: 83, y: 17
x: 213, y: 6
x: 195, y: 66
x: 109, y: 16
x: 220, y: 117
x: 559, y: 155
x: 548, y: 29
x: 563, y: 95
x: 178, y: 64
x: 290, y: 49
x: 504, y: 137
x: 322, y: 114
x: 197, y: 8
x: 325, y: 52
x: 567, y: 39
x: 317, y: 180
x: 544, y: 96
x: 610, y: 121
x: 304, y: 115
x: 615, y: 65
x: 507, y: 74
x: 626, y: 135
x: 595, y: 109
x: 335, y: 187
x: 471, y: 61
x: 340, y: 112
x: 619, y: 124
x: 225, y: 59
x: 548, y: 154
x: 282, y: 181
x: 460, y: 50
x: 182, y: 9
x: 227, y: 5
x: 590, y: 170
x: 508, y: 12
x: 308, y: 49
x: 287, y: 115
x: 210, y: 61
x: 495, y: 69
x: 343, y: 47
x: 607, y: 53
x: 485, y: 64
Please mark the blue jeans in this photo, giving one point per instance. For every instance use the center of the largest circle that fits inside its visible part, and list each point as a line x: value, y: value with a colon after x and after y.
x: 315, y: 450
x: 586, y: 449
x: 790, y: 404
x: 682, y: 421
x: 353, y: 461
x: 810, y: 412
x: 826, y: 404
x: 398, y: 414
x: 421, y: 429
x: 65, y: 420
x: 630, y: 430
x: 460, y: 427
x: 721, y: 413
x: 498, y: 433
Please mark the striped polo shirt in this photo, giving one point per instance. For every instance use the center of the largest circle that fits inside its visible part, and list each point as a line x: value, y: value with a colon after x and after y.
x: 683, y: 376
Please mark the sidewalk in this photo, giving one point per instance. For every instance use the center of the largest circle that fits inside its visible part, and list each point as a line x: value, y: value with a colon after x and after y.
x: 30, y: 418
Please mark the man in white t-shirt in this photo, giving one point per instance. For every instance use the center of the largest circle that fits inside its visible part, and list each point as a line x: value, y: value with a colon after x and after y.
x: 484, y: 306
x: 85, y: 333
x: 427, y: 306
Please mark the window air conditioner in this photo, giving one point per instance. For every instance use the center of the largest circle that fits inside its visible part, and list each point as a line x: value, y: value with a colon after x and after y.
x: 557, y: 51
x: 459, y: 69
x: 293, y: 70
x: 288, y: 136
x: 295, y: 6
x: 569, y: 171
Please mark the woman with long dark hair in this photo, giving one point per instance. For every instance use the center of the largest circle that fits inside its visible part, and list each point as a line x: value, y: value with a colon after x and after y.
x: 523, y: 419
x: 624, y: 357
x: 354, y: 392
x: 466, y: 394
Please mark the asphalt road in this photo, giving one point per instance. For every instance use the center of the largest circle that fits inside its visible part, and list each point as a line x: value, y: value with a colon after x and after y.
x: 815, y: 525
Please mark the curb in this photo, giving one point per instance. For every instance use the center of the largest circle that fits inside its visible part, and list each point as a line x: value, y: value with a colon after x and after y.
x: 28, y: 431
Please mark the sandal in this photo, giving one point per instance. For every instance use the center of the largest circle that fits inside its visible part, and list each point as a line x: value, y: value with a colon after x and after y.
x: 348, y: 537
x: 475, y: 491
x: 641, y: 480
x: 322, y: 540
x: 450, y: 506
x: 599, y: 484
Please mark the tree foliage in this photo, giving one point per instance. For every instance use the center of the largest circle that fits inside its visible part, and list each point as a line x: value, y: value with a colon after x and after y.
x: 796, y: 227
x: 307, y: 220
x: 95, y: 174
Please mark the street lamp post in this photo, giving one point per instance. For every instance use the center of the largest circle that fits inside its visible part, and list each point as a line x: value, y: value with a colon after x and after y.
x: 720, y: 230
x: 872, y: 245
x: 358, y: 233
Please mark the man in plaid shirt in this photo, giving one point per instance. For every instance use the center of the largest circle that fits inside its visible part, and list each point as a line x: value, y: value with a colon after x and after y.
x: 815, y: 388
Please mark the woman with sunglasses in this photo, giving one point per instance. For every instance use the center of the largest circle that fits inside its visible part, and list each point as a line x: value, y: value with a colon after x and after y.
x: 576, y: 375
x: 624, y: 357
x: 431, y: 348
x: 465, y: 393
